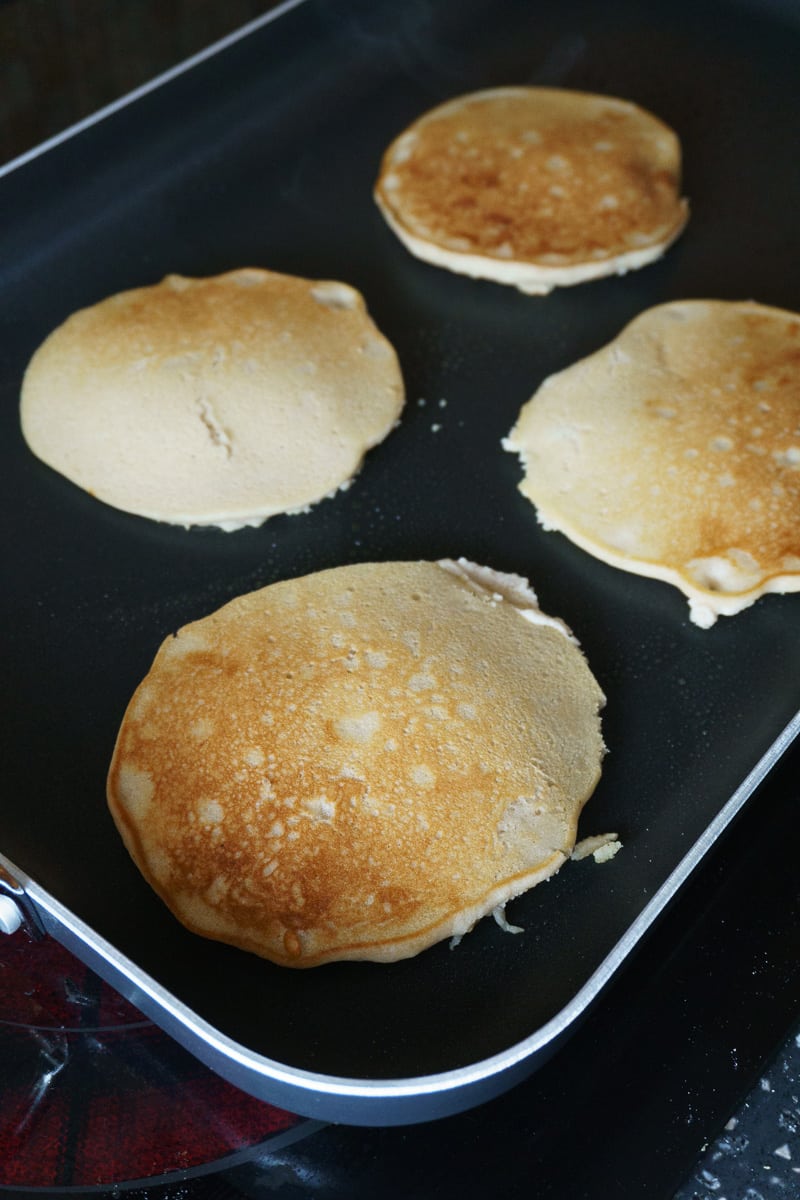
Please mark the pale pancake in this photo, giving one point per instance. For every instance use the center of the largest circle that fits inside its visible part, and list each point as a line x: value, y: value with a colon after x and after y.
x: 357, y: 763
x: 214, y: 401
x: 534, y: 187
x: 674, y: 452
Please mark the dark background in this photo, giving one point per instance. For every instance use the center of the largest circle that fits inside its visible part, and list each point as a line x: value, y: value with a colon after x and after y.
x: 64, y: 59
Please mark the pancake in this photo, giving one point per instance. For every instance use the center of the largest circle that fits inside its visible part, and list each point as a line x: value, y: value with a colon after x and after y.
x: 674, y: 452
x: 357, y: 763
x: 216, y: 401
x: 534, y: 187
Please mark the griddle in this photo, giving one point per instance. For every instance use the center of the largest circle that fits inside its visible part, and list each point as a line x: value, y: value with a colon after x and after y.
x: 264, y: 153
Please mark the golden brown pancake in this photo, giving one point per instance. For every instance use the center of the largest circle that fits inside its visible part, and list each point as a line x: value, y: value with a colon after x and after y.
x: 357, y: 763
x: 214, y: 401
x: 674, y: 452
x: 535, y: 187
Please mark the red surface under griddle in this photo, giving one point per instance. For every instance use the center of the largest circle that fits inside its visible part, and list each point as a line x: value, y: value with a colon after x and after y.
x: 93, y: 1093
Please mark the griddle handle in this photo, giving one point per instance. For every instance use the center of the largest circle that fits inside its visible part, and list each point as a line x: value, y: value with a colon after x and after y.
x: 16, y: 909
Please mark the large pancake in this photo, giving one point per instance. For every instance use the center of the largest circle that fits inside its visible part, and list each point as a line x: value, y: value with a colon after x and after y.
x: 357, y: 763
x: 674, y: 452
x: 214, y: 401
x: 535, y: 187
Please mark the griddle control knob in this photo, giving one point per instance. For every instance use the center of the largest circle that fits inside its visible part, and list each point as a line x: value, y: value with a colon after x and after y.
x: 10, y: 915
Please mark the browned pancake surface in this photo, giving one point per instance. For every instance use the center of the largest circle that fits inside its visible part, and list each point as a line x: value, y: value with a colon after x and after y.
x: 675, y: 451
x: 355, y: 764
x: 537, y: 176
x: 213, y: 401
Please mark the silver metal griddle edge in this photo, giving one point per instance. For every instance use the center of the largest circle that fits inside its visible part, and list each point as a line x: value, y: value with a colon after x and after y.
x: 353, y: 1101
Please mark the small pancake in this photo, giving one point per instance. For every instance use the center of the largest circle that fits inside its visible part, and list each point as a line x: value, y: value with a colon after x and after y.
x: 214, y: 401
x: 674, y: 452
x: 357, y: 763
x: 534, y: 187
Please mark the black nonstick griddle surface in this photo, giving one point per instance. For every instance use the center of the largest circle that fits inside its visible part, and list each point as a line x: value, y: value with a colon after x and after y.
x: 265, y: 155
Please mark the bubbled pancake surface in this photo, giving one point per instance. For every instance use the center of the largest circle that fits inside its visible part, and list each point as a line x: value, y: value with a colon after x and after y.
x: 675, y: 451
x: 355, y: 763
x: 216, y: 401
x: 534, y: 187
